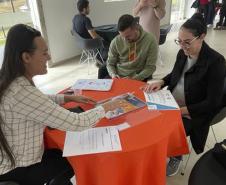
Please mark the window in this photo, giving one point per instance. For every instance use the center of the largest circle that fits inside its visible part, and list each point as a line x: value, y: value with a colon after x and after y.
x: 13, y: 6
x: 12, y: 12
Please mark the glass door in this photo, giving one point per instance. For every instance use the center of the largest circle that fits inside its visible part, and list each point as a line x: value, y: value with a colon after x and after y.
x: 12, y: 12
x: 177, y: 11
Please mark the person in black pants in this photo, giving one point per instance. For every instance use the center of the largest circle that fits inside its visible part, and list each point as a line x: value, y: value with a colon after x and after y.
x: 222, y: 22
x: 52, y: 169
x: 193, y: 84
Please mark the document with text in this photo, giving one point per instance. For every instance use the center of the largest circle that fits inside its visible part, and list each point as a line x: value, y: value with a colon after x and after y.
x: 161, y: 100
x: 94, y: 140
x: 93, y: 84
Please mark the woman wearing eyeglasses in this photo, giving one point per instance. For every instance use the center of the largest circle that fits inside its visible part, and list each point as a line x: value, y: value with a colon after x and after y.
x: 196, y: 82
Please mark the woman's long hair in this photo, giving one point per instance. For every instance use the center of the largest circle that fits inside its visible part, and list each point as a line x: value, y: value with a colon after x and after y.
x: 19, y: 39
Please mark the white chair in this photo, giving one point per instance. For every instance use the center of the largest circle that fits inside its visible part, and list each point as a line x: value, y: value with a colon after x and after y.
x: 90, y: 49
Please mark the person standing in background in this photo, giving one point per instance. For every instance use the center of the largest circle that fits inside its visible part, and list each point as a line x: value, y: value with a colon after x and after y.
x: 222, y: 22
x: 150, y: 13
x: 203, y: 8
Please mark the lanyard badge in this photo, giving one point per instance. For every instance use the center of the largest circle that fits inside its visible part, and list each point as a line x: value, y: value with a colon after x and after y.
x: 132, y: 52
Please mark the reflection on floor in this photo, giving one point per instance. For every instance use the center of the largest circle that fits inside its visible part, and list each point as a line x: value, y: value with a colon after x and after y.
x: 65, y: 75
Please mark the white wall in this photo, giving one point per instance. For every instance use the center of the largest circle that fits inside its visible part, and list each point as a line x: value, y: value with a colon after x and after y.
x: 58, y: 20
x: 111, y: 11
x: 58, y: 16
x: 188, y: 10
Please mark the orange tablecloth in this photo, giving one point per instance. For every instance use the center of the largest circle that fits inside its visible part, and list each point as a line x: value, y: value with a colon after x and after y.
x: 153, y: 136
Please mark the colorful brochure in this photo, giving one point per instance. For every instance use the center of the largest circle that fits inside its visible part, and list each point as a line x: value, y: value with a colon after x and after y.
x: 121, y: 104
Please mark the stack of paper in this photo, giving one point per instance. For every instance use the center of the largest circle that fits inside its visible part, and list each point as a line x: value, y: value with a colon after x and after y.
x: 93, y: 84
x: 161, y: 100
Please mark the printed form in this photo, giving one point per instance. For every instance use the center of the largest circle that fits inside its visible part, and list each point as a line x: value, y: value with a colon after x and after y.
x: 161, y: 100
x: 94, y: 140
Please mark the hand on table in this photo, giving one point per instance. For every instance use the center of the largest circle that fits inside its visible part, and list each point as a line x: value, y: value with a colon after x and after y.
x: 115, y: 76
x: 185, y: 113
x: 79, y: 99
x: 153, y: 87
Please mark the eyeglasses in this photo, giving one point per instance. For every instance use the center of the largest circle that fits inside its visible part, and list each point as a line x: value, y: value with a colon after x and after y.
x: 186, y: 44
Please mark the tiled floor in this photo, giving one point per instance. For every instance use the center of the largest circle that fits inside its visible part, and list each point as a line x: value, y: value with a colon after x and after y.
x: 65, y: 75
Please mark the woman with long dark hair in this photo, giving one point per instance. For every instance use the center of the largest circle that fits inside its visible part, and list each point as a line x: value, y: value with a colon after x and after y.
x: 25, y: 112
x: 196, y: 82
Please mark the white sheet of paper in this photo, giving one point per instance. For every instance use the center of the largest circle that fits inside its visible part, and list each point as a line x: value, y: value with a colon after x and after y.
x: 93, y: 84
x: 122, y: 126
x: 94, y: 140
x: 161, y: 100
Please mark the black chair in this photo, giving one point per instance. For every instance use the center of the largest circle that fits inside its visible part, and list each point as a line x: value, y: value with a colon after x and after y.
x: 107, y: 32
x: 217, y: 118
x: 163, y: 33
x: 8, y: 183
x: 162, y: 39
x: 207, y: 171
x: 90, y: 49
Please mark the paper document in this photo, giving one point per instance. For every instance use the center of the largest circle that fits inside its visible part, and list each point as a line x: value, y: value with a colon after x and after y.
x: 93, y: 84
x: 122, y: 126
x: 94, y: 140
x: 161, y: 100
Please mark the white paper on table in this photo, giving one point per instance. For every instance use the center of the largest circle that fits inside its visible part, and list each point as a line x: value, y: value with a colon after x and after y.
x: 93, y: 84
x: 94, y: 140
x: 122, y: 126
x: 161, y: 100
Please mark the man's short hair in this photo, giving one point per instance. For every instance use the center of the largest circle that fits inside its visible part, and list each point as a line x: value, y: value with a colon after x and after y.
x: 126, y: 21
x: 81, y: 4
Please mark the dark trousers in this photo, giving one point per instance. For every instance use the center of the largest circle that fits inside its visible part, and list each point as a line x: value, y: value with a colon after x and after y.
x: 203, y: 9
x: 103, y: 73
x: 211, y: 13
x: 222, y: 21
x: 187, y: 127
x: 53, y: 170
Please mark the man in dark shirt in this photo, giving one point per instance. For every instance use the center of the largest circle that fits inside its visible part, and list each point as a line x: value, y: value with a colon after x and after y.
x: 81, y: 23
x: 83, y: 26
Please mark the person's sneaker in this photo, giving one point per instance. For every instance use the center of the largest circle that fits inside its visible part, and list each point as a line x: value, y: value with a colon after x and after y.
x: 217, y: 28
x: 209, y: 25
x: 173, y: 166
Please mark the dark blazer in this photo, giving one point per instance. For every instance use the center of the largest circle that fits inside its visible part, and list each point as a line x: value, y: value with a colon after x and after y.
x: 203, y: 90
